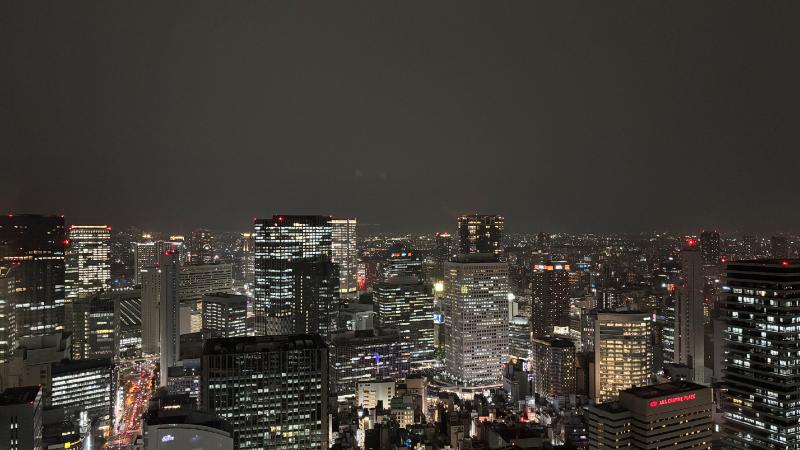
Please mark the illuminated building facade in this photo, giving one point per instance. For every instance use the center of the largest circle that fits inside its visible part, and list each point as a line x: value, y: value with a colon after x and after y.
x: 406, y: 304
x: 670, y: 415
x: 82, y: 387
x: 21, y: 418
x: 93, y: 333
x: 402, y: 262
x: 550, y: 297
x: 689, y: 334
x: 272, y: 390
x: 32, y: 250
x: 128, y: 322
x: 476, y: 317
x: 88, y: 261
x: 623, y: 353
x: 519, y: 337
x: 345, y: 255
x: 169, y: 313
x: 552, y: 366
x: 296, y: 283
x: 225, y: 314
x: 761, y: 308
x: 481, y: 233
x: 779, y: 247
x: 145, y: 254
x: 202, y: 247
x: 365, y: 355
x: 196, y: 280
x: 442, y: 252
x: 710, y: 246
x: 151, y: 296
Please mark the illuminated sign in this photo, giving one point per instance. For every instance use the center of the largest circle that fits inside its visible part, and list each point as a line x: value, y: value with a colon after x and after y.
x: 438, y: 318
x: 167, y: 438
x: 671, y: 400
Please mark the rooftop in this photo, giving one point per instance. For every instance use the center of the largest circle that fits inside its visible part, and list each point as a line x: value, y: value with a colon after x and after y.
x: 257, y: 344
x: 660, y: 390
x: 19, y: 395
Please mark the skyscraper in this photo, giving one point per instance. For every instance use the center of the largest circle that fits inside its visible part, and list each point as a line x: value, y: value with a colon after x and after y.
x: 88, y: 261
x: 273, y: 390
x: 296, y: 284
x: 480, y: 233
x: 151, y: 296
x: 476, y: 317
x: 345, y: 255
x: 406, y: 303
x: 761, y: 307
x: 623, y: 353
x: 365, y: 355
x: 552, y: 366
x: 710, y: 246
x: 32, y: 249
x: 550, y: 297
x: 689, y: 338
x: 225, y: 314
x: 202, y: 250
x: 145, y: 254
x: 169, y: 313
x: 442, y: 252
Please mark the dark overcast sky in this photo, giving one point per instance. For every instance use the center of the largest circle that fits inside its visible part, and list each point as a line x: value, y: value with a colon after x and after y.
x: 574, y: 116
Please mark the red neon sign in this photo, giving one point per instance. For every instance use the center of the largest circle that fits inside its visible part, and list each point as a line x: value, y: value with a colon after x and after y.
x: 671, y: 400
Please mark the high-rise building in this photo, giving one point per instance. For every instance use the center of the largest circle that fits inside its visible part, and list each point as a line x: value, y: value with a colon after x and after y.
x: 82, y: 387
x: 403, y: 262
x: 670, y: 415
x: 481, y: 233
x: 225, y: 314
x: 550, y: 297
x: 7, y: 326
x: 710, y: 246
x: 689, y: 337
x: 169, y: 313
x: 519, y: 337
x: 296, y: 283
x: 21, y: 418
x: 345, y: 255
x: 552, y: 366
x: 202, y: 247
x: 272, y: 390
x: 365, y: 355
x: 146, y: 253
x: 128, y: 322
x: 244, y: 260
x: 88, y: 261
x: 151, y: 296
x: 623, y: 353
x: 93, y: 334
x: 196, y: 280
x: 442, y: 252
x: 32, y: 250
x: 476, y: 318
x: 779, y: 247
x: 406, y: 304
x: 761, y: 305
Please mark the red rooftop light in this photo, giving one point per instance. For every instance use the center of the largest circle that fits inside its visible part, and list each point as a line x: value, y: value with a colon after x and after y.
x: 785, y: 263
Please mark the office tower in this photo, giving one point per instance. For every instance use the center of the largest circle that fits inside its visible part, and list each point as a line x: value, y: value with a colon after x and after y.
x: 710, y: 246
x: 519, y: 337
x: 128, y: 323
x: 171, y: 422
x: 552, y: 366
x: 32, y: 249
x: 369, y: 393
x: 169, y: 313
x: 689, y: 338
x: 21, y: 418
x: 749, y: 247
x: 272, y: 390
x: 88, y: 261
x: 402, y: 262
x: 296, y: 284
x: 365, y: 355
x: 244, y: 260
x: 196, y: 280
x: 406, y: 304
x: 779, y: 246
x: 481, y: 233
x: 476, y: 316
x: 669, y: 415
x: 32, y: 360
x: 442, y: 251
x: 82, y: 387
x: 93, y: 327
x: 225, y: 314
x: 761, y: 307
x: 202, y: 247
x: 345, y: 255
x: 146, y: 253
x: 550, y: 297
x: 151, y: 296
x: 623, y: 353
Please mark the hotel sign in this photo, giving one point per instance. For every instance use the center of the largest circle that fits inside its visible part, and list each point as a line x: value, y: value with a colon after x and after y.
x: 672, y: 400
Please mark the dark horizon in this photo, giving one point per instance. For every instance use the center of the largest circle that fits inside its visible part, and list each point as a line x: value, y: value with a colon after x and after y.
x: 590, y: 117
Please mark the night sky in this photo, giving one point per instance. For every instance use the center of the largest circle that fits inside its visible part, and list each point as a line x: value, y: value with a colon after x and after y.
x: 563, y: 116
